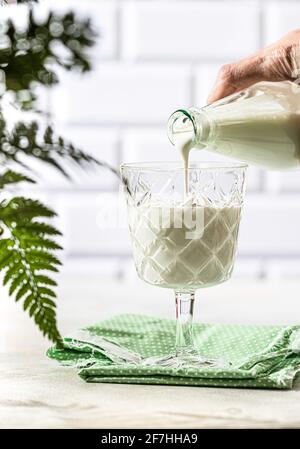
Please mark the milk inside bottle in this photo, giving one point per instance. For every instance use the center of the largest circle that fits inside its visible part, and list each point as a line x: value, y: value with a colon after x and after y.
x: 259, y: 125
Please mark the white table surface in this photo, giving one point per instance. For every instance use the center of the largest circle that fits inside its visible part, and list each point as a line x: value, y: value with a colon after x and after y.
x: 36, y: 392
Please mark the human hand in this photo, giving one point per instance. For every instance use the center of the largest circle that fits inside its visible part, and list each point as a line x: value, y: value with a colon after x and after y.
x: 277, y: 62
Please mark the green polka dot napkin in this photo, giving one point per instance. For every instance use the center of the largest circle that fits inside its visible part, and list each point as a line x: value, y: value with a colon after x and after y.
x: 113, y: 351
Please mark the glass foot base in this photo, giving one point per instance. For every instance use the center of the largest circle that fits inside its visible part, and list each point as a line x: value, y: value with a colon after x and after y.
x: 186, y: 359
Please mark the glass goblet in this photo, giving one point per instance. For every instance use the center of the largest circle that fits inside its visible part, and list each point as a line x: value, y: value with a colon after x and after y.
x: 182, y: 240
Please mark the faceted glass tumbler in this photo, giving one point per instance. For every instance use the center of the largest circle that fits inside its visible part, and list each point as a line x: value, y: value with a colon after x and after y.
x: 184, y: 240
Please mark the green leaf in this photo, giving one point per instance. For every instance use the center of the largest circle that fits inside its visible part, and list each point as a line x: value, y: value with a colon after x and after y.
x: 47, y: 291
x: 41, y: 266
x: 12, y: 271
x: 23, y: 290
x: 11, y: 177
x: 25, y: 139
x: 35, y: 242
x: 21, y: 210
x: 6, y: 259
x: 48, y: 301
x: 34, y: 255
x: 24, y: 254
x: 29, y: 57
x: 34, y: 228
x: 48, y: 311
x: 32, y: 309
x: 30, y: 298
x: 16, y: 280
x: 43, y: 279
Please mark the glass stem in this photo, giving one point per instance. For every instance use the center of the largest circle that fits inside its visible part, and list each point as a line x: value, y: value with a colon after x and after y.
x: 184, y: 322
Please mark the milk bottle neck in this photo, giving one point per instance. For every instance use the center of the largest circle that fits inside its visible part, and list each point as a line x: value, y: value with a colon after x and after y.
x: 193, y: 123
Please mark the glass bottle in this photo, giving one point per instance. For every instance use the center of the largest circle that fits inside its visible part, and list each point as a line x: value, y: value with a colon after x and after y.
x: 259, y: 125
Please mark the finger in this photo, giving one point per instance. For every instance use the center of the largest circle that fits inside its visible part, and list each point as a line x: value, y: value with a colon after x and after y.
x: 235, y: 77
x: 222, y: 88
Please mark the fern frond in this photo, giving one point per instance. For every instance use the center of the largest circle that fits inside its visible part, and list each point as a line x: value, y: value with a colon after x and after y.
x: 26, y: 139
x: 25, y: 254
x: 37, y: 61
x: 12, y: 177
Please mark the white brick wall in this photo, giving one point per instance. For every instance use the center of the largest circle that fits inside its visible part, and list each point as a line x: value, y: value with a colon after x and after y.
x: 123, y: 93
x: 188, y: 30
x: 92, y: 224
x: 280, y: 17
x: 270, y: 226
x: 153, y: 57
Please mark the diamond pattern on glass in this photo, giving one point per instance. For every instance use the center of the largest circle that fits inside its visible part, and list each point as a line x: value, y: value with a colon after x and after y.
x: 166, y: 258
x: 163, y: 255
